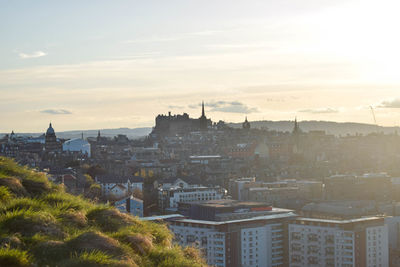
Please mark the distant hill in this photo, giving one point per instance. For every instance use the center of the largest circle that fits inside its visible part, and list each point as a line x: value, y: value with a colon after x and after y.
x: 335, y: 128
x: 132, y: 133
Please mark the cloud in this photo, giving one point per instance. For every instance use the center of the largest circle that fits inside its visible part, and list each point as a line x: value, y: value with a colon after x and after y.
x: 56, y: 111
x: 393, y: 103
x: 175, y: 107
x: 32, y: 55
x: 320, y: 110
x: 227, y: 106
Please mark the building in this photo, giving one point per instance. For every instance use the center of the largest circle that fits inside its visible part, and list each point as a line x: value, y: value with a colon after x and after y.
x: 77, y: 145
x: 130, y: 205
x: 347, y: 243
x: 119, y: 185
x: 237, y: 185
x: 275, y: 196
x: 51, y: 144
x: 172, y: 124
x: 368, y: 186
x: 254, y: 240
x: 168, y: 198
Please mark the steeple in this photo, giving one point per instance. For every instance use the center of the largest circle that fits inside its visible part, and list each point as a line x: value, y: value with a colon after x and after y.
x: 203, y: 119
x: 296, y: 128
x: 246, y: 124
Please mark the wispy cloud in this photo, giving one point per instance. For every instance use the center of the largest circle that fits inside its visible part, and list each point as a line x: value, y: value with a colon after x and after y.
x: 32, y: 55
x: 228, y: 107
x: 56, y: 111
x: 393, y: 103
x: 320, y: 110
x: 175, y: 107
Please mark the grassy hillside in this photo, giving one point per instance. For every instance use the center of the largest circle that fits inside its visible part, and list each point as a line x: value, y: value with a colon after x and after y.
x: 41, y: 225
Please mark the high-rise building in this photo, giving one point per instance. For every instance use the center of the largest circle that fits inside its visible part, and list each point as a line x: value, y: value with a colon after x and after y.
x: 360, y: 242
x: 233, y: 233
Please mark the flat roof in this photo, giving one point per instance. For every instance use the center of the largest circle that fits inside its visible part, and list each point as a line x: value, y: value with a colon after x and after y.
x: 258, y: 218
x: 205, y: 157
x: 218, y: 203
x: 161, y: 217
x: 363, y: 219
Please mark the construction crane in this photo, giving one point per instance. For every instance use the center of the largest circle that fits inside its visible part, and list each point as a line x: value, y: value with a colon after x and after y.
x: 373, y: 114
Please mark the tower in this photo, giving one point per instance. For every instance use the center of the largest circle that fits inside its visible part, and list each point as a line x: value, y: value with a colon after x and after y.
x: 296, y: 128
x: 203, y: 118
x: 50, y: 144
x: 246, y: 124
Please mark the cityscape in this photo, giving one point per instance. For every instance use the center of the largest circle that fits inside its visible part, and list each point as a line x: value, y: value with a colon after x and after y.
x: 242, y: 196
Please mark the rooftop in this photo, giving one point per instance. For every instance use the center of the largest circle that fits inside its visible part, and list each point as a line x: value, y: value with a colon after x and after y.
x: 252, y: 219
x: 363, y: 219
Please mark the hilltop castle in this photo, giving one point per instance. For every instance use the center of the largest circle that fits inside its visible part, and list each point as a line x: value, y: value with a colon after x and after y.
x: 170, y: 124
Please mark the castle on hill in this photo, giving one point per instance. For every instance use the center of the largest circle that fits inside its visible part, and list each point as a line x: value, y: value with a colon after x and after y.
x: 170, y: 124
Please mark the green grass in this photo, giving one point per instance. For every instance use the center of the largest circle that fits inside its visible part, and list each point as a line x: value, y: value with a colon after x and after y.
x: 41, y: 225
x: 5, y: 194
x: 14, y: 257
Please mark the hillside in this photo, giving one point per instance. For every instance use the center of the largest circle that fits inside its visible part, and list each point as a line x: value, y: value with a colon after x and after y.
x: 41, y: 225
x: 330, y: 127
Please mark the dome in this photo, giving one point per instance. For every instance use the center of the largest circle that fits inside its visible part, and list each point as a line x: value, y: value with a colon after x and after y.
x: 50, y: 130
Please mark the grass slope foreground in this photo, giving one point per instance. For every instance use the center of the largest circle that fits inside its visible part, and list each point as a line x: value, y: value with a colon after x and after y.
x: 41, y: 225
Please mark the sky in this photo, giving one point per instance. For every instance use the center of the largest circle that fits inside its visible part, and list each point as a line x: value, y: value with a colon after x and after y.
x: 99, y: 64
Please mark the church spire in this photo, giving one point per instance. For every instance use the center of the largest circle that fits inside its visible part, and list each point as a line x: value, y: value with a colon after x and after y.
x: 203, y: 114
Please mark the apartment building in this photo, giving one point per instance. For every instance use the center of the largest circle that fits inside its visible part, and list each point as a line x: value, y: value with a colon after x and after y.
x: 251, y: 235
x: 359, y: 242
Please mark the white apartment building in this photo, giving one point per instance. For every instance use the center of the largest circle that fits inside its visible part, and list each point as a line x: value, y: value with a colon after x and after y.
x: 168, y: 198
x: 332, y: 243
x: 252, y: 242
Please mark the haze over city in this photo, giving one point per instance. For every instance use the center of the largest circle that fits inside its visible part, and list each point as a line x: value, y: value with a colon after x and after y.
x: 108, y: 64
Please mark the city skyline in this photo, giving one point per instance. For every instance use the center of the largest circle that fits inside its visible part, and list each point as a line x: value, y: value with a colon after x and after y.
x: 119, y: 64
